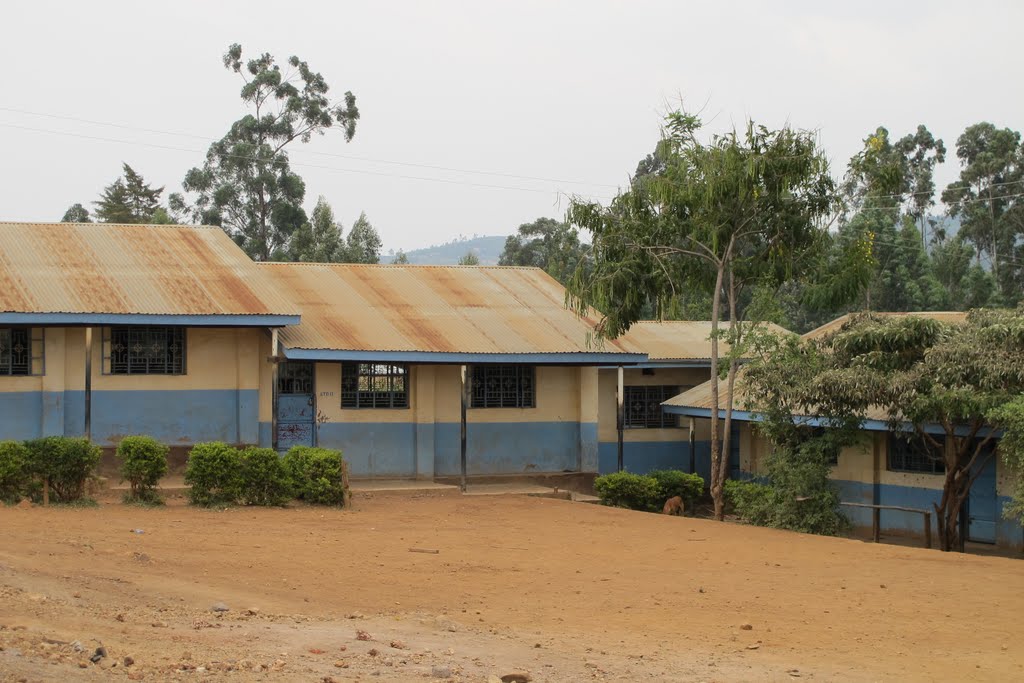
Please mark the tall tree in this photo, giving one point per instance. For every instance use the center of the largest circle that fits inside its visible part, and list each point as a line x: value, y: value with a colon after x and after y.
x: 545, y: 243
x: 246, y: 184
x: 319, y: 240
x: 740, y: 210
x: 363, y: 244
x: 470, y: 259
x: 400, y: 258
x: 985, y: 196
x: 76, y: 213
x: 129, y: 199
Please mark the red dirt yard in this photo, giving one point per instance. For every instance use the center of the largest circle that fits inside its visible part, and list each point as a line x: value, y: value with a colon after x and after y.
x: 557, y: 590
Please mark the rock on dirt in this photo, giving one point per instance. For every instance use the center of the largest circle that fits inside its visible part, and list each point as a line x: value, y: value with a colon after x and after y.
x: 441, y: 672
x: 516, y: 678
x: 219, y: 607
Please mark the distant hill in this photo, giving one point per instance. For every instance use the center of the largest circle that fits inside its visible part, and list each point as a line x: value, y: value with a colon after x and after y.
x: 488, y: 249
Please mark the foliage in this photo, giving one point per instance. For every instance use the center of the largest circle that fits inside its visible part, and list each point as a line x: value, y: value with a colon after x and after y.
x: 14, y: 474
x: 128, y: 200
x: 400, y: 258
x: 76, y: 213
x: 213, y: 474
x: 1011, y: 447
x: 246, y: 184
x: 470, y: 259
x: 143, y: 463
x: 690, y: 487
x: 751, y: 501
x: 740, y: 211
x: 66, y: 463
x: 628, y: 490
x: 550, y: 245
x: 363, y: 243
x: 320, y: 475
x: 319, y: 240
x: 986, y: 198
x: 264, y: 480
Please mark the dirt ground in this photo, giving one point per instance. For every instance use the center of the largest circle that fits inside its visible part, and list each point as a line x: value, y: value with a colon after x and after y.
x: 556, y: 590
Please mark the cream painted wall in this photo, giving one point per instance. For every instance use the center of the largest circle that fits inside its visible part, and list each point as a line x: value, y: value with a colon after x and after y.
x: 607, y: 385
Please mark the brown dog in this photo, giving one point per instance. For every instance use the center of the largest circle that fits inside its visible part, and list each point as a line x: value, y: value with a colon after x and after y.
x: 673, y: 506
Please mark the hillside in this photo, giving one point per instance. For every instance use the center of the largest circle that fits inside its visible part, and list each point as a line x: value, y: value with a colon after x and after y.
x: 487, y: 248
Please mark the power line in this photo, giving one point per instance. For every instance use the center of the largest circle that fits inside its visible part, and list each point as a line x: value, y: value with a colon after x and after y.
x: 207, y: 139
x: 446, y: 181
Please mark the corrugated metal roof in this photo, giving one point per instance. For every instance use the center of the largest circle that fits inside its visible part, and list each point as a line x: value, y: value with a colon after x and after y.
x: 130, y: 269
x: 677, y: 339
x: 432, y: 309
x: 700, y: 395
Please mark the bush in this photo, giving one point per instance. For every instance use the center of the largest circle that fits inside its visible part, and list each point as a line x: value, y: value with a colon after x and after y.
x: 689, y: 487
x: 772, y: 506
x: 628, y: 490
x: 750, y: 501
x: 320, y: 475
x: 14, y: 475
x: 143, y: 463
x: 264, y: 480
x: 65, y: 462
x: 212, y: 474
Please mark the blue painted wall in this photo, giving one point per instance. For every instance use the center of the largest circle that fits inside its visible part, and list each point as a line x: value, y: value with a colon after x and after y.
x: 1008, y: 533
x: 21, y: 415
x: 509, y: 447
x: 373, y: 449
x: 641, y: 457
x: 176, y: 417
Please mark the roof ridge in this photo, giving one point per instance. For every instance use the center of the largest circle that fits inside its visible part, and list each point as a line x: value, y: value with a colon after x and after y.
x: 115, y: 225
x: 395, y: 265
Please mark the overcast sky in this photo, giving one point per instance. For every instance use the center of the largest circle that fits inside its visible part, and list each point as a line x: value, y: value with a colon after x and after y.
x: 526, y: 101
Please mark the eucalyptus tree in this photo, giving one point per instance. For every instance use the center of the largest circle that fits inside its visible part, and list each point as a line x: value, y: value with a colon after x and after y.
x: 987, y: 196
x: 545, y: 243
x: 319, y: 240
x: 76, y: 213
x: 740, y: 209
x: 246, y: 184
x: 363, y: 243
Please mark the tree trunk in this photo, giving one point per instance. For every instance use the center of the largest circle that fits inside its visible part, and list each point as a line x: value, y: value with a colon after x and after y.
x: 717, y: 484
x: 723, y: 471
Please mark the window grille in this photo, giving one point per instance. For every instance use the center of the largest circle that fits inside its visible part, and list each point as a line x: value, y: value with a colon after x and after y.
x: 911, y: 453
x: 295, y: 378
x: 374, y: 385
x: 21, y: 351
x: 144, y: 351
x: 503, y: 386
x: 642, y: 409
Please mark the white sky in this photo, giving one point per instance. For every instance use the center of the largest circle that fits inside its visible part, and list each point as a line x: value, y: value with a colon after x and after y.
x: 569, y: 91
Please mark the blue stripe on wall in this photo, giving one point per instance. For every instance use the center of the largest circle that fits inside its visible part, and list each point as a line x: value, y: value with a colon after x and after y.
x: 508, y: 448
x: 640, y: 457
x: 21, y: 415
x: 373, y: 449
x: 1008, y: 532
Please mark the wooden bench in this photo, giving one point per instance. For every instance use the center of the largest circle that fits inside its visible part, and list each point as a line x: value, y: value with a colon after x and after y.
x: 876, y: 519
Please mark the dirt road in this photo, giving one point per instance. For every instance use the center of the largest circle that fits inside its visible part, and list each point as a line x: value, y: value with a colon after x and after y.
x: 557, y: 590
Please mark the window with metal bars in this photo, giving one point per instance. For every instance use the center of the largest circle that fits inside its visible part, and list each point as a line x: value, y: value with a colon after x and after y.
x: 911, y: 453
x: 374, y: 385
x: 503, y: 386
x: 146, y: 351
x: 295, y: 377
x: 642, y: 408
x: 15, y: 351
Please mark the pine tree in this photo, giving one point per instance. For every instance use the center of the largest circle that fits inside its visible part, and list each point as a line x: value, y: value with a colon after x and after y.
x: 128, y: 200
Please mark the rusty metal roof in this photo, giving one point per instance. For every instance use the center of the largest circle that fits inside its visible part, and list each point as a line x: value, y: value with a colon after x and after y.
x: 392, y: 311
x: 680, y: 340
x: 699, y: 397
x: 91, y: 272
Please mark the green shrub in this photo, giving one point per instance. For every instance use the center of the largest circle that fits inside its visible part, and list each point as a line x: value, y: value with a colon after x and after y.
x: 628, y: 490
x: 65, y: 462
x: 320, y: 475
x: 143, y: 463
x: 770, y: 505
x: 689, y: 487
x: 264, y: 480
x: 212, y: 474
x: 751, y: 501
x: 14, y: 475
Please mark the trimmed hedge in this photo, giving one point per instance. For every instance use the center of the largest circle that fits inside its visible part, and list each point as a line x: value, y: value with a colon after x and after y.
x: 143, y: 463
x: 263, y: 478
x: 65, y: 462
x: 14, y: 475
x: 213, y: 474
x: 648, y: 492
x: 320, y: 475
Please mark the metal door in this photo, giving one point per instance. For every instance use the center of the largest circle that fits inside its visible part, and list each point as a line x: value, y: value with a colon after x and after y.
x: 296, y: 408
x: 982, y: 507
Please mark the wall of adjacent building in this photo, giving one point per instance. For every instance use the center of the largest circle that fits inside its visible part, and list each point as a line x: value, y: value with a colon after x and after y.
x: 650, y: 449
x: 423, y: 440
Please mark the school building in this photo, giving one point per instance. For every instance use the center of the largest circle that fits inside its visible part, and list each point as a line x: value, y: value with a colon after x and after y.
x: 882, y: 469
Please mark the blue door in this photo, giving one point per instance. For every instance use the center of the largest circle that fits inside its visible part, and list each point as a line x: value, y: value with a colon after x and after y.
x: 296, y: 408
x: 982, y: 508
